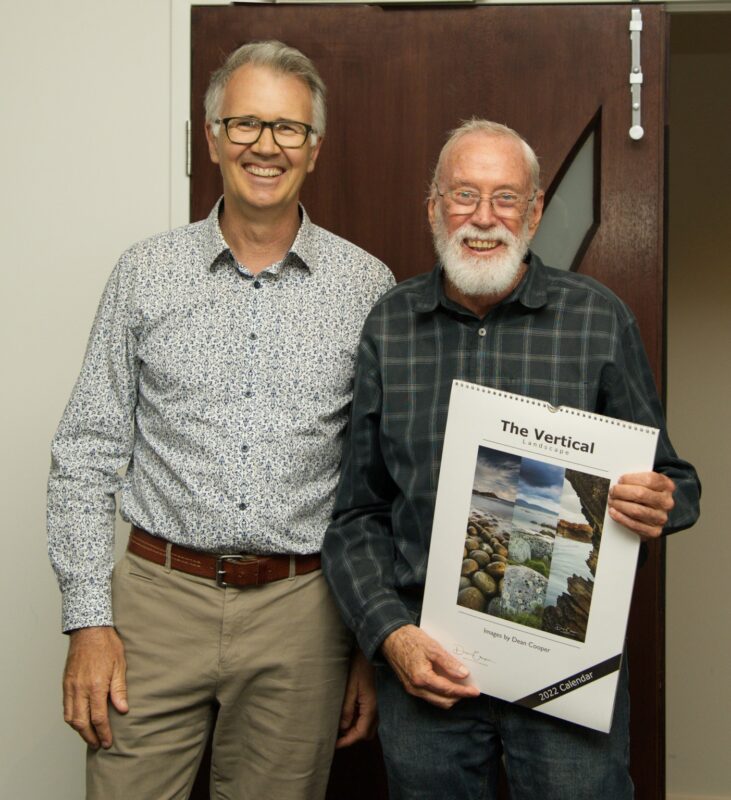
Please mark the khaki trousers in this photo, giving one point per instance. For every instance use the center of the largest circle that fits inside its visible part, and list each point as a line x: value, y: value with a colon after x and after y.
x: 272, y: 659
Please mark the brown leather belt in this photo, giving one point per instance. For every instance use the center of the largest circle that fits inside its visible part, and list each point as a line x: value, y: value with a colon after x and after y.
x: 236, y: 569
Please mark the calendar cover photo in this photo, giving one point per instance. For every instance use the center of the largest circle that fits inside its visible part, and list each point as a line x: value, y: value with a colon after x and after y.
x: 529, y: 580
x: 532, y: 541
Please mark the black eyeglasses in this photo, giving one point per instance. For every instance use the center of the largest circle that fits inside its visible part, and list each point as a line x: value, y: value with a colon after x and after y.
x: 248, y: 130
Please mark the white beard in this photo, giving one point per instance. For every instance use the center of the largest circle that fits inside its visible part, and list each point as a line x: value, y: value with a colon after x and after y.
x: 474, y: 275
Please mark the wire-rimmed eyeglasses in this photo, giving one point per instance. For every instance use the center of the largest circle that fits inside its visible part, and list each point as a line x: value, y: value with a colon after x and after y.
x: 507, y: 205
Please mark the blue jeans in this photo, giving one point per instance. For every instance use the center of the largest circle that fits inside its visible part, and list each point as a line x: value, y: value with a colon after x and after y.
x: 433, y: 754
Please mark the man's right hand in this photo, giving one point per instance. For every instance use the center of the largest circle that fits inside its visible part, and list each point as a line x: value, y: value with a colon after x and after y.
x: 95, y: 672
x: 425, y: 668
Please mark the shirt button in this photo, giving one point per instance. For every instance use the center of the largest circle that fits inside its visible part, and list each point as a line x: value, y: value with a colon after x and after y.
x: 242, y: 506
x: 244, y: 448
x: 482, y: 332
x: 257, y: 284
x: 248, y: 393
x: 252, y: 336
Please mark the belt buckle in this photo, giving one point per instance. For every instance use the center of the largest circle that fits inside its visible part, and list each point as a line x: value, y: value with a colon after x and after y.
x: 223, y: 559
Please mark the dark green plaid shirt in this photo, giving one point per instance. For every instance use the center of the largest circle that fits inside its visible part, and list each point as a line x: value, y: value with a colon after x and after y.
x: 559, y: 337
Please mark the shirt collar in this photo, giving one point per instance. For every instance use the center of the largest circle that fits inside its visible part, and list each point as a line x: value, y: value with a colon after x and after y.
x: 216, y: 249
x: 304, y: 247
x: 531, y: 292
x: 303, y: 251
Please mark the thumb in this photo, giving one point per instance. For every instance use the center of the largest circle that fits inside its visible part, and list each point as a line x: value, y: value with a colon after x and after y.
x: 348, y: 709
x: 118, y: 692
x: 448, y: 664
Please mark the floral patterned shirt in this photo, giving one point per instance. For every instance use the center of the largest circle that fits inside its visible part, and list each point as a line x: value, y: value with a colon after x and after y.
x: 224, y: 395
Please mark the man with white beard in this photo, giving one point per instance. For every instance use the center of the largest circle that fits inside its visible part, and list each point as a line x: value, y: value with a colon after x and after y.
x: 490, y: 313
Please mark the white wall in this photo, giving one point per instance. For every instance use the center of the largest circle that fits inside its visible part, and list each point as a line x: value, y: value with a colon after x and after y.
x: 85, y: 90
x: 85, y: 96
x: 699, y: 387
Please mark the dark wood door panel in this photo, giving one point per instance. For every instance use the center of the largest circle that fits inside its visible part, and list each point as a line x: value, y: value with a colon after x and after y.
x: 398, y: 79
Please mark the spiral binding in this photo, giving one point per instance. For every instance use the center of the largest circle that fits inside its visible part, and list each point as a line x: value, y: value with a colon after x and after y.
x: 576, y: 412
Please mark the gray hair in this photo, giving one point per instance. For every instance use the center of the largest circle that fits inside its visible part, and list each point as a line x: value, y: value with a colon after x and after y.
x: 477, y: 125
x: 278, y: 57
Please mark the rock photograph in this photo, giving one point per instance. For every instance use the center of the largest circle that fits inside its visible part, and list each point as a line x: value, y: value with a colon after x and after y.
x: 532, y: 542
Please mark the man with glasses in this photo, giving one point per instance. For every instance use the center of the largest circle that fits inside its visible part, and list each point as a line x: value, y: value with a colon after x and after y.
x: 490, y: 313
x: 219, y: 373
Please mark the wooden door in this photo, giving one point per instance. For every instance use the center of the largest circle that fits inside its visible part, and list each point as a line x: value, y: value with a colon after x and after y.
x: 398, y: 79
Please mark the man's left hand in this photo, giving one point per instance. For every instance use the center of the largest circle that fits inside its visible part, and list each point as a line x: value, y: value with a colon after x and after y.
x: 641, y: 502
x: 359, y: 716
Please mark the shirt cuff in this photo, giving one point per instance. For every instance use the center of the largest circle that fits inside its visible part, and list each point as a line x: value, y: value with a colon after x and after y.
x: 383, y: 616
x: 86, y: 605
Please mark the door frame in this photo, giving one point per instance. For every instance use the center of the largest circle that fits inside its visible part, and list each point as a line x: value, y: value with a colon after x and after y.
x: 180, y: 77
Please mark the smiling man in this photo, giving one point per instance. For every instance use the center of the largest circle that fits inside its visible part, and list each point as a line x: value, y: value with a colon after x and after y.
x: 219, y: 373
x: 482, y: 244
x: 491, y: 313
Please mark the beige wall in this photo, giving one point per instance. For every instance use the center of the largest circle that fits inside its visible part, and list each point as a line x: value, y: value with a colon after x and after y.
x: 85, y: 90
x: 699, y: 387
x: 85, y: 96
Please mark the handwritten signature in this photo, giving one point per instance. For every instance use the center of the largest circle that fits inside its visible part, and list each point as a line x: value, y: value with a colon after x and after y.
x: 471, y: 655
